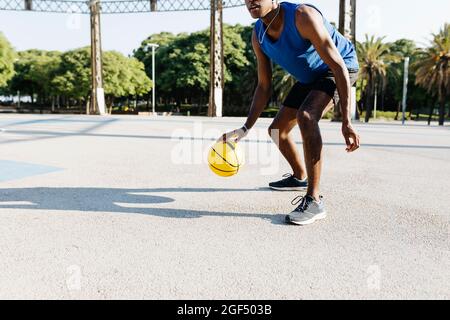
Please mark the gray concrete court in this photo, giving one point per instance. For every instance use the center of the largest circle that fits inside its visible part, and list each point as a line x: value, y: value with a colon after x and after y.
x: 101, y: 207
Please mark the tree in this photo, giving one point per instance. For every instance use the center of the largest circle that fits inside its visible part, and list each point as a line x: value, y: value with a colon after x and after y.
x: 375, y: 57
x: 140, y: 83
x: 7, y: 57
x: 22, y: 82
x: 392, y: 90
x: 433, y: 72
x: 42, y: 71
x: 182, y: 65
x: 123, y: 77
x: 73, y: 77
x: 34, y: 70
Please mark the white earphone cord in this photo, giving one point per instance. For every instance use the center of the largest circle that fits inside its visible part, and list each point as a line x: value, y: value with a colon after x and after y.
x: 261, y: 39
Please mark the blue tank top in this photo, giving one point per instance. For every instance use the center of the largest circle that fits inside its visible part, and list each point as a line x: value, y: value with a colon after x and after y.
x: 297, y: 55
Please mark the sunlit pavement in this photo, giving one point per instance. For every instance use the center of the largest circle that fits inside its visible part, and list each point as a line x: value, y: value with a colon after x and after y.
x: 122, y: 207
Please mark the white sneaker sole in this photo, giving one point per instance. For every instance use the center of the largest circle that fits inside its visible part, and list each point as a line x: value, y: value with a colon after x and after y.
x: 289, y: 189
x: 320, y: 216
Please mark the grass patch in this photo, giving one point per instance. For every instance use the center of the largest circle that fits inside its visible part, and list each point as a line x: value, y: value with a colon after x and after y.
x: 390, y: 116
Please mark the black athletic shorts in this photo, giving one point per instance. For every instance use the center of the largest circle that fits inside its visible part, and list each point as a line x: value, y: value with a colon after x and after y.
x: 325, y: 83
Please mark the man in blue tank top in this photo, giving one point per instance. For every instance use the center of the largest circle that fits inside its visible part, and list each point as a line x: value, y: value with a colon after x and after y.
x: 306, y: 45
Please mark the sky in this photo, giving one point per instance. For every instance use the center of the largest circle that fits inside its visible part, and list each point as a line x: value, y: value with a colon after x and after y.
x: 395, y: 19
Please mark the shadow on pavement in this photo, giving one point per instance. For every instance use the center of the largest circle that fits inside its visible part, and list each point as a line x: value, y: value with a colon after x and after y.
x: 124, y: 201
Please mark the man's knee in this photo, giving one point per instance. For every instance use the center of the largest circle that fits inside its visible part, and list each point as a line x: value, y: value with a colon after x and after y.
x: 276, y: 131
x: 306, y: 118
x: 273, y: 129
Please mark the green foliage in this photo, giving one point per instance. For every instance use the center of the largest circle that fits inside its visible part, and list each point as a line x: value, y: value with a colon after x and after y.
x: 124, y: 76
x: 34, y: 71
x: 7, y: 57
x: 375, y: 58
x: 403, y: 48
x: 390, y: 83
x: 182, y: 65
x: 433, y: 63
x: 174, y: 58
x: 433, y: 70
x: 73, y: 74
x: 48, y: 74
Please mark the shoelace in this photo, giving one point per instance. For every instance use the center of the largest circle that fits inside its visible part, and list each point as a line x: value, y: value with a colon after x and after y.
x: 303, y: 203
x: 288, y: 175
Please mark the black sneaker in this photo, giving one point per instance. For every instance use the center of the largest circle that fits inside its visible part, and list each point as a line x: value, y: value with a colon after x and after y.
x: 290, y: 183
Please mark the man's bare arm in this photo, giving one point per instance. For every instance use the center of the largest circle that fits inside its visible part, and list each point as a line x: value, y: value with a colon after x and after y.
x: 264, y: 88
x: 261, y: 95
x: 310, y: 25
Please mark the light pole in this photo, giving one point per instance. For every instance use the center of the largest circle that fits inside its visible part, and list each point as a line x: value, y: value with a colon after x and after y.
x: 18, y: 91
x: 154, y: 46
x: 405, y: 89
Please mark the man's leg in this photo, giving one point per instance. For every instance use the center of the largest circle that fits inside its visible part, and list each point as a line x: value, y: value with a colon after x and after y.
x: 313, y: 108
x: 279, y: 130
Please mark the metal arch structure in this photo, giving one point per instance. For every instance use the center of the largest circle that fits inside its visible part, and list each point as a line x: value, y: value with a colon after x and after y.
x: 97, y: 7
x: 113, y: 6
x: 216, y: 80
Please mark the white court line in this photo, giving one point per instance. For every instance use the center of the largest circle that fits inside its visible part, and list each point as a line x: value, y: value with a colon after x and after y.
x: 135, y: 205
x: 17, y: 203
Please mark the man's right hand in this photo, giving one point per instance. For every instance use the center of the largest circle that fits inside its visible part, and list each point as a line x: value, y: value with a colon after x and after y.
x: 235, y: 135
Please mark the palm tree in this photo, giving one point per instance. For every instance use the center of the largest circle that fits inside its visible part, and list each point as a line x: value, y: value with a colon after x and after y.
x: 402, y: 48
x: 433, y: 72
x: 375, y: 57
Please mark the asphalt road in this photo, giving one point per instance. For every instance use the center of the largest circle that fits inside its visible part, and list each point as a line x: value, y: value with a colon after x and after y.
x: 121, y: 207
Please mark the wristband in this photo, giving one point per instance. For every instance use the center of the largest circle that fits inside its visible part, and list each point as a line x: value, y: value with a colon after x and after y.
x: 245, y: 128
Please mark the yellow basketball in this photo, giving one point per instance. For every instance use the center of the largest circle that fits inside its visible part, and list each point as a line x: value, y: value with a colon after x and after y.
x: 225, y: 158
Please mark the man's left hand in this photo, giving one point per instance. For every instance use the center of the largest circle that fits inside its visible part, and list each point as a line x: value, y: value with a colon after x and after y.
x: 351, y: 137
